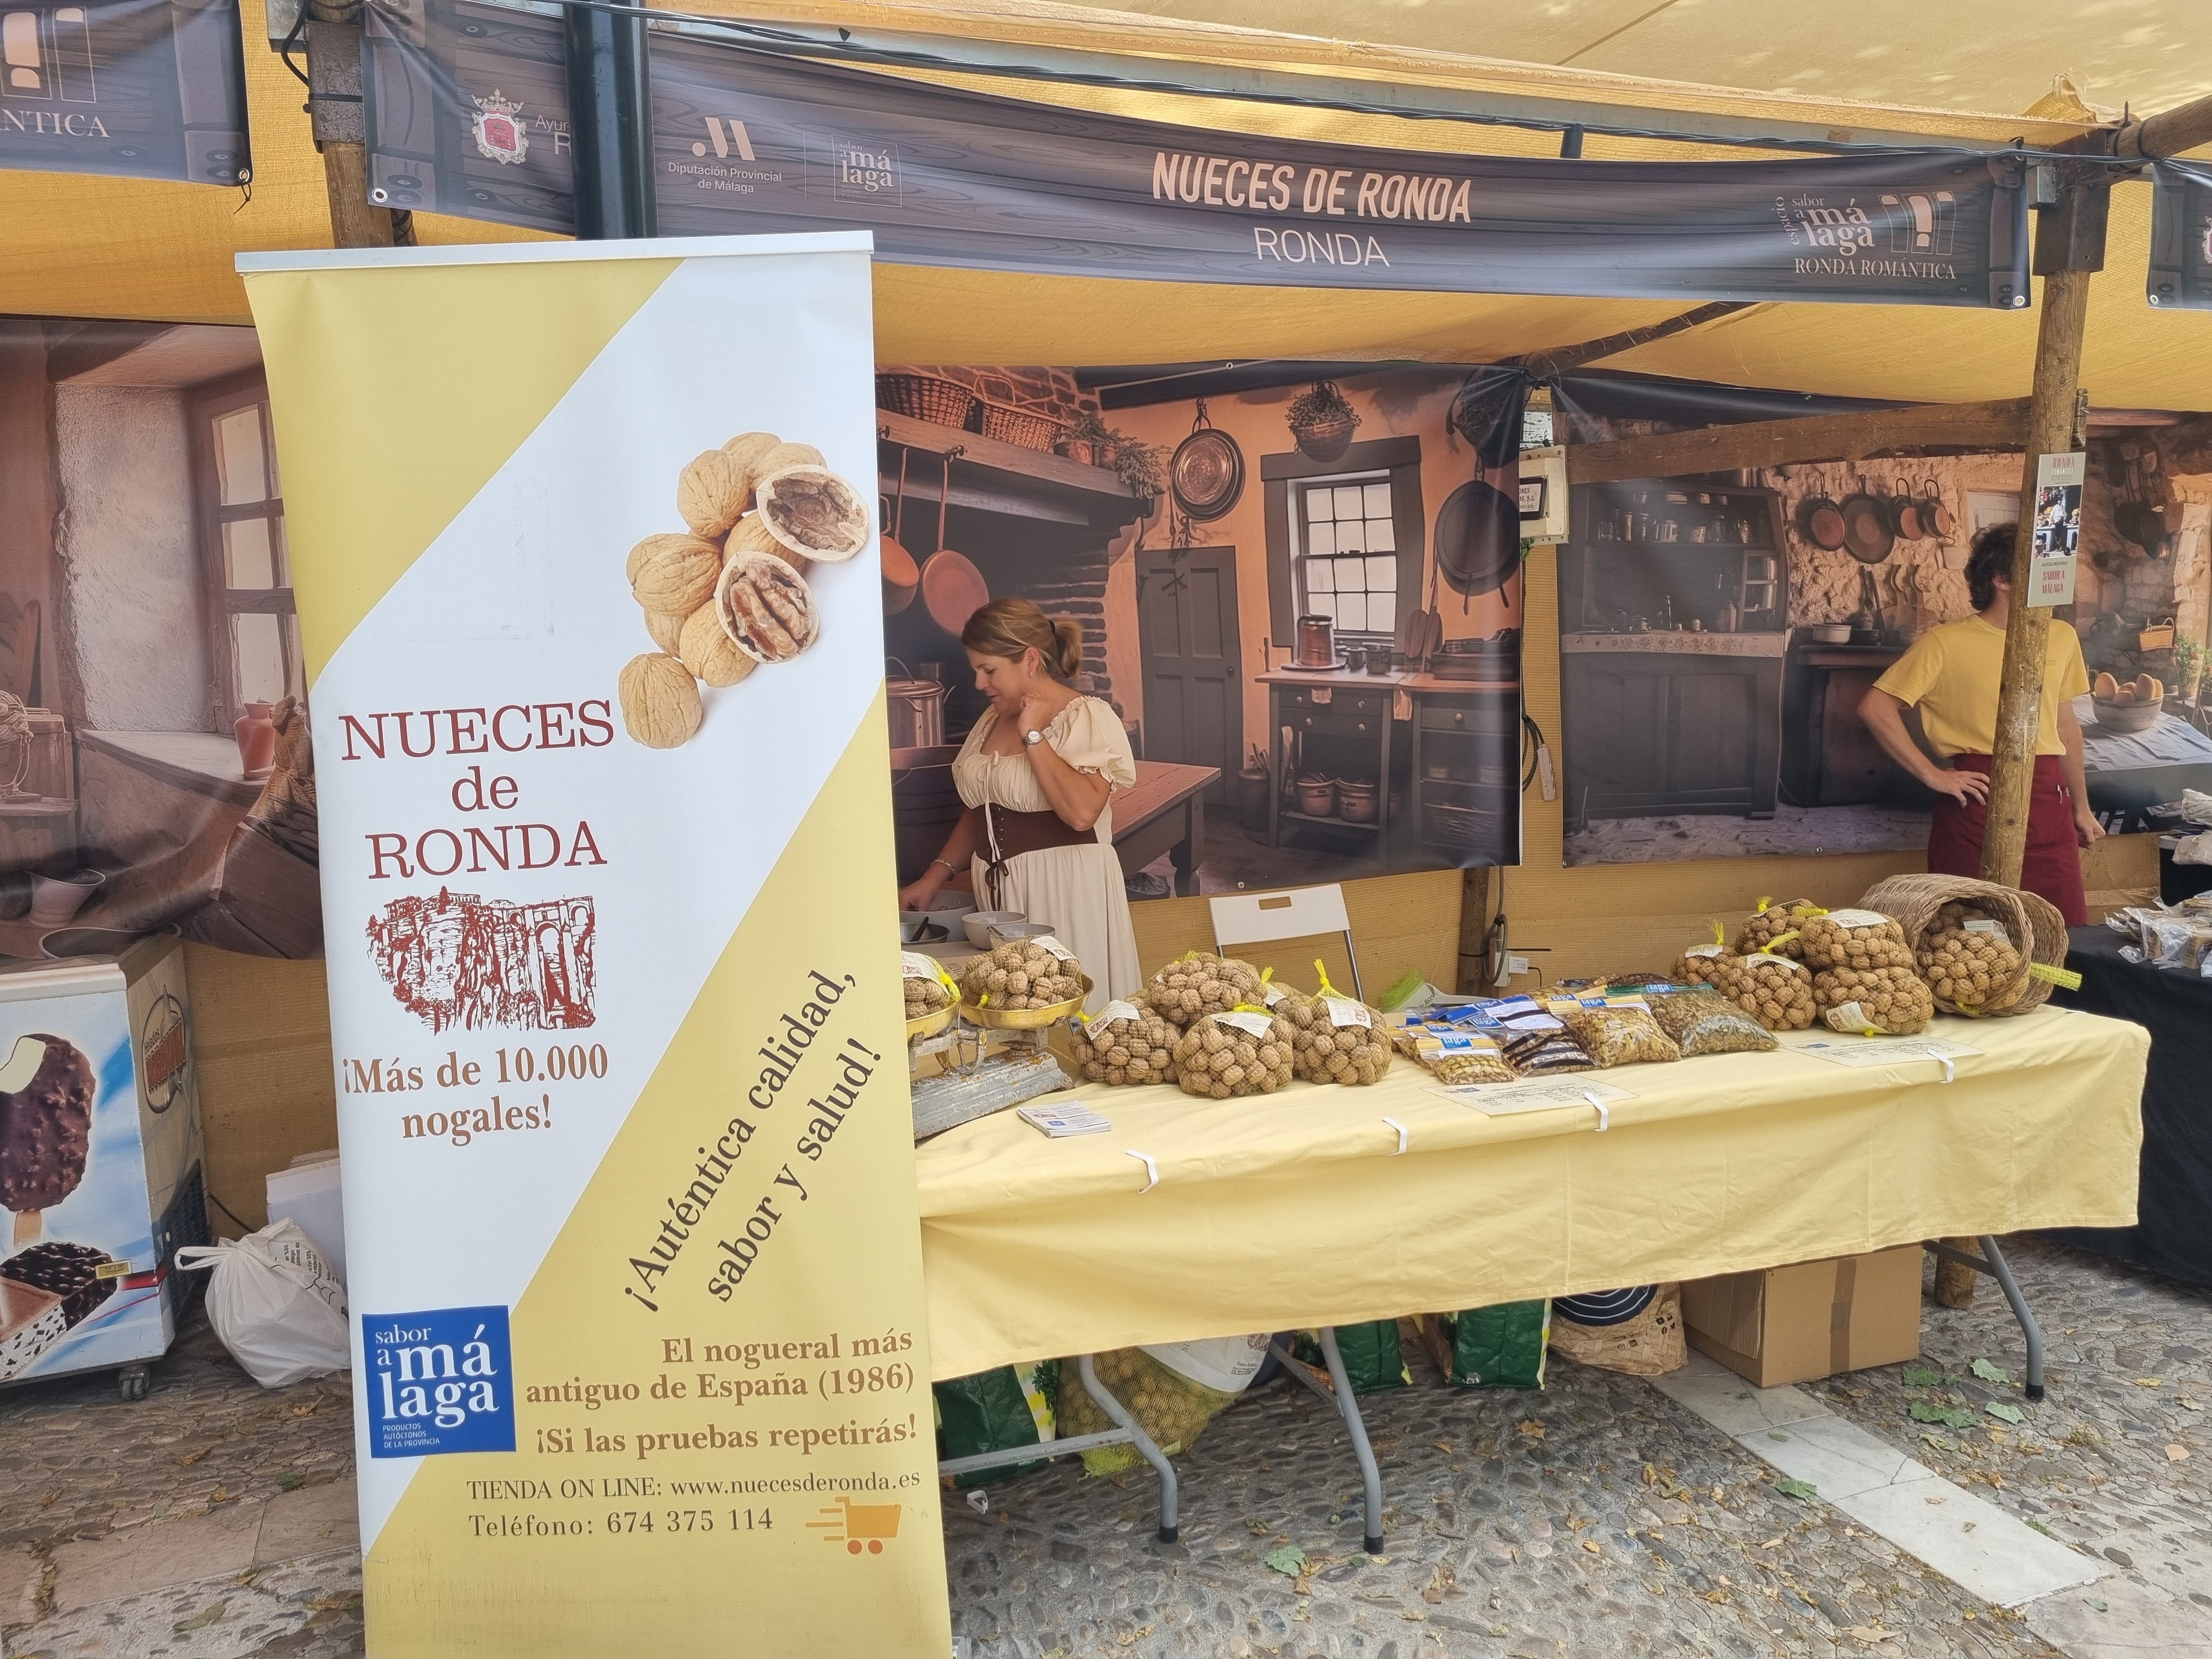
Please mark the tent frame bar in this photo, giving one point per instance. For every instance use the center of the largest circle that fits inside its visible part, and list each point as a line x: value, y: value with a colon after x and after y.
x: 1187, y: 77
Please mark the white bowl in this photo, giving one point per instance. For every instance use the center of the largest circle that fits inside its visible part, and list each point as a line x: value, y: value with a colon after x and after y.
x: 978, y: 924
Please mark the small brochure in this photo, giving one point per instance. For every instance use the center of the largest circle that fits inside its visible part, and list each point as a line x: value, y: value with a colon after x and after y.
x: 1535, y: 1095
x: 1070, y: 1117
x: 1882, y: 1051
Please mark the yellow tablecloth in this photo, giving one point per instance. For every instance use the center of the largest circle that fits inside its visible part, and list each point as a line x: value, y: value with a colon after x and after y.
x: 1294, y: 1209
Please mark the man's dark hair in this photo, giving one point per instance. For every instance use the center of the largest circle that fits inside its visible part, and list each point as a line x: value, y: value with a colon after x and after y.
x: 1991, y: 558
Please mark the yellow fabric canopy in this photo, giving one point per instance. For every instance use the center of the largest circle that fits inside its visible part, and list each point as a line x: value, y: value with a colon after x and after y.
x: 89, y: 246
x: 1295, y: 1209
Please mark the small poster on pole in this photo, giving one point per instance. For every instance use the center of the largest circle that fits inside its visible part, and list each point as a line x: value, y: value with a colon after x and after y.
x: 2057, y: 528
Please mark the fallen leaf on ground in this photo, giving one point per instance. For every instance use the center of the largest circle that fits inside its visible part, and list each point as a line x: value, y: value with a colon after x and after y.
x: 1532, y: 1429
x: 1796, y: 1489
x: 1922, y: 1376
x: 1989, y: 1373
x: 2177, y: 1454
x: 1290, y: 1560
x: 1594, y: 1550
x: 190, y: 1458
x: 2005, y: 1413
x: 1774, y: 1543
x: 201, y: 1619
x: 2149, y: 1381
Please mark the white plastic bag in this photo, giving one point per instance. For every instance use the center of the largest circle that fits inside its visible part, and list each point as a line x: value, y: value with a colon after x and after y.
x: 275, y: 1304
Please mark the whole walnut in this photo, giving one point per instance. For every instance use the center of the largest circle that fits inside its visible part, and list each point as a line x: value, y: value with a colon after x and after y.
x: 1218, y: 1058
x: 924, y: 995
x: 711, y: 492
x: 1776, y: 992
x: 1125, y: 1045
x: 674, y: 574
x: 706, y: 649
x: 1890, y: 999
x: 660, y: 701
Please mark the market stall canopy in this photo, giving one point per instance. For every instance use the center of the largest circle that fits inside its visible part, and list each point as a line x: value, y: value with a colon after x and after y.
x: 115, y: 247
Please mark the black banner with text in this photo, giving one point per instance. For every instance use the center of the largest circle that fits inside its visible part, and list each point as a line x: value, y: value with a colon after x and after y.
x: 2181, y: 236
x: 468, y: 115
x: 141, y: 88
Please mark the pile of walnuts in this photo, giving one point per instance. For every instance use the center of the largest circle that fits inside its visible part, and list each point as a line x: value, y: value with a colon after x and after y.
x: 1196, y: 984
x: 1219, y: 1058
x: 1854, y: 939
x: 730, y: 592
x: 1968, y: 967
x: 1020, y: 974
x: 1889, y: 999
x: 1126, y: 1044
x: 1760, y: 931
x: 925, y: 995
x: 1328, y: 1044
x: 1774, y: 992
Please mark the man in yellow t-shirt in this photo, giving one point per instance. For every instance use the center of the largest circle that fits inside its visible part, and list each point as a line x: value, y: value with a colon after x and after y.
x: 1951, y: 674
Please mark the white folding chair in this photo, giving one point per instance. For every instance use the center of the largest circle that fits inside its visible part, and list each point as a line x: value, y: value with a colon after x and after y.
x: 1298, y: 913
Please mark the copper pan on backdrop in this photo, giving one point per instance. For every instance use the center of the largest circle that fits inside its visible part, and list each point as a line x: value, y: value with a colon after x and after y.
x: 1821, y: 522
x: 952, y: 589
x: 902, y: 575
x: 1868, y: 537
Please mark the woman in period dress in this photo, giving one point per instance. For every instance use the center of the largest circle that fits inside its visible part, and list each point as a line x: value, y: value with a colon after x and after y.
x: 1038, y: 772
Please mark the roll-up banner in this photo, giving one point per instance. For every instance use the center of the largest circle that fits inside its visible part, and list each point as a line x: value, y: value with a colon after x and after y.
x: 2181, y: 236
x: 144, y: 88
x: 635, y: 1256
x: 468, y: 116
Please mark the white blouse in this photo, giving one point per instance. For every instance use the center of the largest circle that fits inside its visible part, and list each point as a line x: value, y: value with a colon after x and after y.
x: 1087, y: 734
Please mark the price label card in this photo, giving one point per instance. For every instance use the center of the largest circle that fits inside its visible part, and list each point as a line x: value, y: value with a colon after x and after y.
x: 914, y: 965
x: 1258, y: 1024
x: 1112, y: 1011
x: 1344, y: 1010
x: 1052, y: 947
x: 1882, y: 1051
x: 1532, y: 1095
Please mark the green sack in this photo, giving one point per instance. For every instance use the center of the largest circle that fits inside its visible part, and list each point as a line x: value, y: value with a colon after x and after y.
x: 1372, y: 1359
x: 996, y: 1410
x: 1500, y: 1347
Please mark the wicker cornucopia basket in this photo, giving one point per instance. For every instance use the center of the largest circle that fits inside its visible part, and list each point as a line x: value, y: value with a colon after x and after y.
x: 2033, y: 926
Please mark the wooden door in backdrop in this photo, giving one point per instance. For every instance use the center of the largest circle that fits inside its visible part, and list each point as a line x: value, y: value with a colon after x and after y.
x: 1194, y: 688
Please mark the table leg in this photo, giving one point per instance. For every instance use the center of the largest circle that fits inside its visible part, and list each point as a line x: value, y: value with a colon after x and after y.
x: 1190, y: 853
x: 1992, y: 1262
x: 1277, y: 759
x: 1347, y: 1404
x: 1170, y: 1498
x: 1383, y: 787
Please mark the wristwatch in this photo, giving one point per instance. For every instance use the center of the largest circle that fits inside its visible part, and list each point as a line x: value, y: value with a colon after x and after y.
x: 1030, y: 740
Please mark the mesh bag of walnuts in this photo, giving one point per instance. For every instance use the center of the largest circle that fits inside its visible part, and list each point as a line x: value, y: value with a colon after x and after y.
x: 1620, y: 1032
x: 1145, y: 1003
x: 1776, y: 992
x: 1889, y: 1000
x: 1335, y: 1038
x: 1854, y: 939
x: 1237, y: 1051
x: 1123, y: 1043
x: 1029, y: 973
x: 928, y: 987
x: 1199, y: 984
x: 1707, y: 964
x: 1777, y: 929
x: 1703, y: 1021
x: 1968, y: 958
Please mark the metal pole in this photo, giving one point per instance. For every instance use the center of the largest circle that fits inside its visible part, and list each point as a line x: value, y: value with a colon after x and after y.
x: 611, y: 121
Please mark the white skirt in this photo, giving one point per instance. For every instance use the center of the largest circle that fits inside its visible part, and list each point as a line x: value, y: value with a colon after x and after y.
x: 1078, y: 891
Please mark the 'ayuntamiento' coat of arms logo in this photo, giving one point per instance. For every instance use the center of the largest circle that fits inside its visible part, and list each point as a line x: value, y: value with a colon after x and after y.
x: 499, y: 136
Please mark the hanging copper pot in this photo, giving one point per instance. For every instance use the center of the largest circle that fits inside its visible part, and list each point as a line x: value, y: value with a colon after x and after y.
x: 901, y: 575
x: 1206, y: 472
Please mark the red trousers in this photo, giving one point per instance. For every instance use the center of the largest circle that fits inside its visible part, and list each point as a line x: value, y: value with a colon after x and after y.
x: 2052, y: 867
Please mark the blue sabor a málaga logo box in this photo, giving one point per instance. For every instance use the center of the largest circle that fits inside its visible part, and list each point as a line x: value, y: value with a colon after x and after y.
x: 439, y: 1382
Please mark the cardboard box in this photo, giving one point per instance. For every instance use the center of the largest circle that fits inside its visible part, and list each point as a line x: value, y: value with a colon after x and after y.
x: 1814, y: 1319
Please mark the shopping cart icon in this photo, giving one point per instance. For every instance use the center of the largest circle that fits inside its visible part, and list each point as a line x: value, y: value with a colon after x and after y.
x: 858, y: 1526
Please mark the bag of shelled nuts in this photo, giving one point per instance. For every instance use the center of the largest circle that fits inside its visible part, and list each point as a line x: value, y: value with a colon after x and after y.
x: 1776, y: 992
x: 1124, y: 1043
x: 1453, y: 1055
x: 1777, y: 929
x: 1234, y: 1052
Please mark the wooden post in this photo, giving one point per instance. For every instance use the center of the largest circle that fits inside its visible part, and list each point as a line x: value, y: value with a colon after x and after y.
x: 341, y: 129
x: 2070, y: 245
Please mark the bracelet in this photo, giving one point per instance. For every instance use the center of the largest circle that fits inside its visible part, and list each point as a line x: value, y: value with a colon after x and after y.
x: 950, y: 870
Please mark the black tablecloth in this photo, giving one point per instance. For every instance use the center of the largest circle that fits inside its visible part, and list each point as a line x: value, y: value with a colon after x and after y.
x: 2173, y: 1232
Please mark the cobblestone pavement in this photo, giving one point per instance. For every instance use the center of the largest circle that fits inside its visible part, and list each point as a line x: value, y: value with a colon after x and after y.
x: 1596, y: 1517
